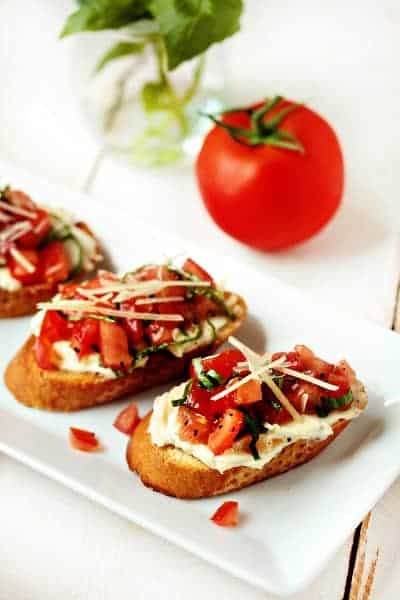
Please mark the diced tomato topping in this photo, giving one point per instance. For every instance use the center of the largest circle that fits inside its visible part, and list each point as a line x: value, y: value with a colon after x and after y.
x: 128, y: 419
x: 227, y: 515
x: 160, y: 334
x: 249, y: 392
x: 203, y: 307
x: 20, y: 272
x: 223, y: 363
x: 135, y: 332
x: 20, y: 199
x: 114, y: 346
x: 85, y: 336
x: 226, y: 431
x: 199, y: 400
x: 190, y: 266
x: 340, y: 377
x: 55, y: 263
x: 194, y: 428
x: 55, y: 327
x: 83, y: 440
x: 41, y: 225
x: 304, y: 396
x: 68, y: 290
x: 44, y: 353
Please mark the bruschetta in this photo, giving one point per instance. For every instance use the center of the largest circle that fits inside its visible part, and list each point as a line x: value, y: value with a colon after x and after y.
x: 242, y: 418
x: 103, y: 339
x: 39, y: 248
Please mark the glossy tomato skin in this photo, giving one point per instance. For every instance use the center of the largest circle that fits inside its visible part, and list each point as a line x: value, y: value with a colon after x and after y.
x: 267, y: 197
x: 128, y: 419
x: 227, y: 515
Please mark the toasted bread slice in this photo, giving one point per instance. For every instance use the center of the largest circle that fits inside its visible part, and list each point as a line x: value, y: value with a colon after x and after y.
x: 23, y: 301
x: 173, y: 472
x: 67, y: 391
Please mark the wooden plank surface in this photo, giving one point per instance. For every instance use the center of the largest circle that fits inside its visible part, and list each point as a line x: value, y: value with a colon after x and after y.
x: 374, y: 569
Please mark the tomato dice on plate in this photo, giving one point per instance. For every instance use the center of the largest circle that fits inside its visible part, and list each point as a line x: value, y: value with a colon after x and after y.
x: 85, y: 441
x: 127, y: 420
x: 227, y: 515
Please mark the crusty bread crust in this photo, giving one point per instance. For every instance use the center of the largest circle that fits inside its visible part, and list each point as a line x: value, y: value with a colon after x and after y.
x: 171, y: 471
x: 24, y: 300
x: 67, y: 391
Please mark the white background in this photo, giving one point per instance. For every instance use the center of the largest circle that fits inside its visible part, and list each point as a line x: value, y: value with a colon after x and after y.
x: 340, y: 57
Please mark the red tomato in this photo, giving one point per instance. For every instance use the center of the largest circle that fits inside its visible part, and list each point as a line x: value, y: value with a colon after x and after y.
x: 114, y: 346
x: 227, y: 515
x: 160, y: 334
x: 266, y: 196
x: 194, y: 428
x: 54, y: 327
x: 226, y: 431
x: 55, y: 262
x: 21, y: 200
x: 199, y: 400
x: 18, y: 271
x: 223, y: 363
x: 304, y: 396
x: 135, y: 332
x: 249, y: 392
x: 85, y: 336
x: 127, y: 420
x: 190, y: 266
x: 83, y: 440
x: 44, y: 353
x: 340, y: 378
x: 41, y: 226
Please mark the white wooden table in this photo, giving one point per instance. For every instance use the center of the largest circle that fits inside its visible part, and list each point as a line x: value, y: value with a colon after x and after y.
x: 342, y: 59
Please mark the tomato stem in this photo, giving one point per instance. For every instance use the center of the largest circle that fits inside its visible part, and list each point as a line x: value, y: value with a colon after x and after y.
x: 262, y: 131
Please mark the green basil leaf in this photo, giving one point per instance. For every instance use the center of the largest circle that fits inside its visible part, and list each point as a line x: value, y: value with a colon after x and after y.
x: 182, y: 401
x: 189, y: 27
x: 214, y: 375
x: 255, y: 428
x: 118, y: 51
x: 94, y: 15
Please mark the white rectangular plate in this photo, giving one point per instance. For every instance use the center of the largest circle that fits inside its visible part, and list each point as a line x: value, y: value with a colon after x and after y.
x: 290, y: 525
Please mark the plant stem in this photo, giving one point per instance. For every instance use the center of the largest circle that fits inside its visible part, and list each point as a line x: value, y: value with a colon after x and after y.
x: 177, y: 105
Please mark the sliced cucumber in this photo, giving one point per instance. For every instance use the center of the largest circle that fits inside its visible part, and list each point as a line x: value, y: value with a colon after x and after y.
x: 75, y: 254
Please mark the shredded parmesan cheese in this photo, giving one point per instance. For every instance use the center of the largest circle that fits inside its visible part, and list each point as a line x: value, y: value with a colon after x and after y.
x: 24, y: 262
x: 159, y: 300
x: 87, y: 307
x: 299, y: 375
x: 22, y: 212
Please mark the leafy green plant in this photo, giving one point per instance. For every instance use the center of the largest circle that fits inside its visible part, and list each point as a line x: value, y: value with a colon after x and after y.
x: 177, y: 31
x: 186, y: 27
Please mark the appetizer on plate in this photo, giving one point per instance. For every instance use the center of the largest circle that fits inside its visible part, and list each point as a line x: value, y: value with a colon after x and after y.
x: 113, y: 336
x: 242, y: 418
x: 39, y: 248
